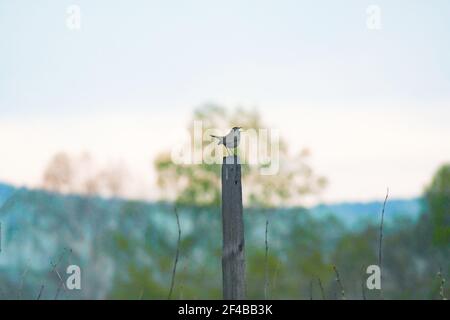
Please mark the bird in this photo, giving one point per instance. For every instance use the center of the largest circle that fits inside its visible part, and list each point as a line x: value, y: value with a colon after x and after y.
x: 231, y: 140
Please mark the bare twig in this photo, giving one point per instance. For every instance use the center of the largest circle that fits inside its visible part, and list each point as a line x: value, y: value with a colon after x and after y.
x: 176, y: 255
x: 54, y: 269
x: 40, y: 292
x: 61, y: 282
x: 363, y: 284
x: 321, y: 288
x: 266, y: 265
x: 380, y: 246
x: 338, y: 280
x: 311, y: 290
x: 441, y: 285
x: 363, y: 290
x: 22, y: 280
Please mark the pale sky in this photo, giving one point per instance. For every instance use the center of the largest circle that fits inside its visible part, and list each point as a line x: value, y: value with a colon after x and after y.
x: 372, y: 105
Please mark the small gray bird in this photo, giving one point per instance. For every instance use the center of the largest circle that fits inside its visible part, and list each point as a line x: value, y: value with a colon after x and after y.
x: 231, y: 140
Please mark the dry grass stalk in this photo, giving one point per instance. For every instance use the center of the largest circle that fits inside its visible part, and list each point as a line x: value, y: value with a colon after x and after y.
x: 441, y: 285
x: 176, y: 255
x: 321, y: 288
x: 266, y: 265
x: 339, y: 282
x: 380, y: 245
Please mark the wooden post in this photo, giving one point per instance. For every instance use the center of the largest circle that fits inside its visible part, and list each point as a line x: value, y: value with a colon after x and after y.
x: 233, y: 252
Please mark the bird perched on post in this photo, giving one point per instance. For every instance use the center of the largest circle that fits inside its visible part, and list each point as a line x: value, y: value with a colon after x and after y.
x: 231, y: 140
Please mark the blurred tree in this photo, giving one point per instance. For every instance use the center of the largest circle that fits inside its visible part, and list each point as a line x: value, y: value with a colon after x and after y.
x: 79, y: 174
x: 437, y: 195
x: 58, y: 175
x: 199, y: 184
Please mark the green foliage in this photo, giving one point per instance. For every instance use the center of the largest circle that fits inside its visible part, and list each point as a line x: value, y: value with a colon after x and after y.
x: 126, y: 250
x: 438, y: 199
x: 302, y: 249
x: 142, y: 278
x: 199, y: 184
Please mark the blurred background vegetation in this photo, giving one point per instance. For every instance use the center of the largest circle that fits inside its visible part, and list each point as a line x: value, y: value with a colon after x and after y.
x: 126, y: 248
x: 200, y: 184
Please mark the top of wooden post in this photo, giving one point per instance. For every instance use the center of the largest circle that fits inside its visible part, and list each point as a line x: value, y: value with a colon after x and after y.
x: 232, y: 160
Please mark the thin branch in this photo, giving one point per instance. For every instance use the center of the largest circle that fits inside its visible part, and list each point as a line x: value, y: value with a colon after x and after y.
x: 176, y: 255
x: 61, y: 283
x: 338, y: 280
x: 22, y: 280
x: 321, y: 288
x: 441, y: 285
x: 61, y: 256
x: 54, y: 269
x: 363, y: 284
x: 380, y: 246
x: 363, y: 290
x: 311, y: 290
x: 266, y: 265
x: 40, y: 292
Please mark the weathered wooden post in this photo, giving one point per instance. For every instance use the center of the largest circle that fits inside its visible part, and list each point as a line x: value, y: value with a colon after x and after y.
x: 233, y: 251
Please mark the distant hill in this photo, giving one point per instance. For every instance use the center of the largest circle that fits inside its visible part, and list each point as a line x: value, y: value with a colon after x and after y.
x: 104, y: 235
x: 5, y: 192
x: 357, y: 214
x: 351, y: 214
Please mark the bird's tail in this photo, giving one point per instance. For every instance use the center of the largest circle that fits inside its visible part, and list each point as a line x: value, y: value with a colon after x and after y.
x: 218, y: 138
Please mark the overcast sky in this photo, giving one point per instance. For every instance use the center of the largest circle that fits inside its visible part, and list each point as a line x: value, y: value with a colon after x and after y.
x: 372, y: 105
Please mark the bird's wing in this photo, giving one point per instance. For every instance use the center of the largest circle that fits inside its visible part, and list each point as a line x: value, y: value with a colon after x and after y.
x: 218, y: 138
